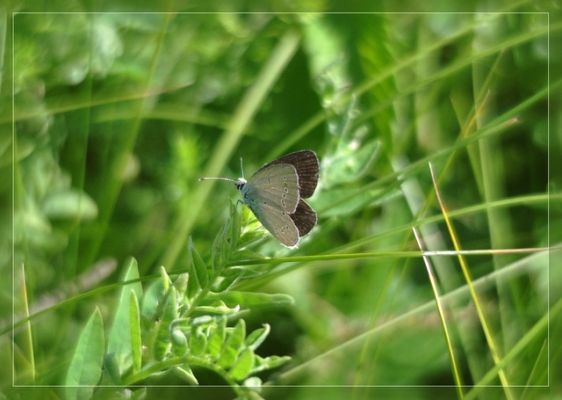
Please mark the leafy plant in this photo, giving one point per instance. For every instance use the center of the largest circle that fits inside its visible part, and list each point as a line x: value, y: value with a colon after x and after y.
x: 179, y: 324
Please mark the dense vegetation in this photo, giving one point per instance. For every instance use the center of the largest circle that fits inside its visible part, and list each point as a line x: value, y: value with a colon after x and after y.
x: 132, y: 279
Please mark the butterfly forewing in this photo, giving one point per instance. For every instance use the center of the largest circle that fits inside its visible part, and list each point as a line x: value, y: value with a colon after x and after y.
x: 304, y: 218
x: 275, y: 186
x: 307, y: 166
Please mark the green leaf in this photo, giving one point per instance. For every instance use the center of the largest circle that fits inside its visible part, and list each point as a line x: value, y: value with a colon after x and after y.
x: 225, y: 282
x: 135, y: 331
x: 162, y: 341
x: 249, y: 237
x: 262, y: 364
x: 181, y: 283
x: 111, y: 367
x: 165, y: 278
x: 233, y: 345
x: 151, y: 300
x: 243, y: 366
x: 235, y: 226
x: 70, y: 204
x: 248, y: 254
x: 186, y: 374
x: 159, y: 296
x: 216, y: 338
x: 252, y: 299
x: 199, y: 268
x: 197, y: 343
x: 256, y: 338
x: 119, y: 342
x: 87, y: 361
x: 220, y: 251
x: 215, y: 310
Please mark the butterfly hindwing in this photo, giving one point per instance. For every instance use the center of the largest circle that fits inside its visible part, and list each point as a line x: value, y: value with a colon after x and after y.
x: 307, y: 166
x: 304, y: 218
x: 278, y: 223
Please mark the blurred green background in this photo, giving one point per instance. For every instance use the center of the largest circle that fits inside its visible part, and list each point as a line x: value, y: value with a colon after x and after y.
x: 108, y: 119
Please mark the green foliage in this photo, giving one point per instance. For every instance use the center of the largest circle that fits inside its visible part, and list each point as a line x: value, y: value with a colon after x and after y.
x: 116, y: 115
x: 181, y: 327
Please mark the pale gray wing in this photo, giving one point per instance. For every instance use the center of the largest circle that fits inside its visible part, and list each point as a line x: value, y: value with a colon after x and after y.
x: 278, y: 223
x: 273, y: 185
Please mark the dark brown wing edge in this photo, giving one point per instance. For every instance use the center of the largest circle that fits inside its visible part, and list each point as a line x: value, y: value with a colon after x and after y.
x: 304, y: 218
x: 307, y: 166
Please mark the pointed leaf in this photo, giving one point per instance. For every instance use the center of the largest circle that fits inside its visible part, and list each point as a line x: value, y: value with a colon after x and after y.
x: 256, y: 338
x: 197, y: 343
x: 252, y: 300
x: 87, y: 360
x: 163, y: 341
x: 165, y: 278
x: 220, y: 250
x: 199, y: 268
x: 150, y: 303
x: 119, y: 342
x: 233, y: 344
x: 186, y: 374
x: 262, y: 364
x: 181, y: 283
x: 216, y: 338
x: 243, y: 365
x: 111, y: 368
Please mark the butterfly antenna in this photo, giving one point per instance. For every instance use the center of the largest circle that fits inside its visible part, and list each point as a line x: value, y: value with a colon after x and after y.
x: 242, y: 167
x: 218, y: 178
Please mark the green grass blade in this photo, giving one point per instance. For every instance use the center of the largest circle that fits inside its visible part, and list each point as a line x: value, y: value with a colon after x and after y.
x: 537, y: 330
x: 27, y: 345
x: 475, y: 298
x: 526, y: 265
x: 443, y: 319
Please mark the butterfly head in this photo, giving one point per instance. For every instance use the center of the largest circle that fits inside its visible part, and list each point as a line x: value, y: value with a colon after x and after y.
x: 240, y: 183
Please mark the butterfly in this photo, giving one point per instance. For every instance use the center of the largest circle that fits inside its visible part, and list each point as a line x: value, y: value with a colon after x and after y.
x: 276, y: 193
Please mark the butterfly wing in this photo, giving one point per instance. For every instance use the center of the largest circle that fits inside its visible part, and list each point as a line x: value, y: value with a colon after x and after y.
x: 304, y: 218
x: 272, y: 194
x: 307, y: 166
x: 273, y: 185
x: 278, y: 223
